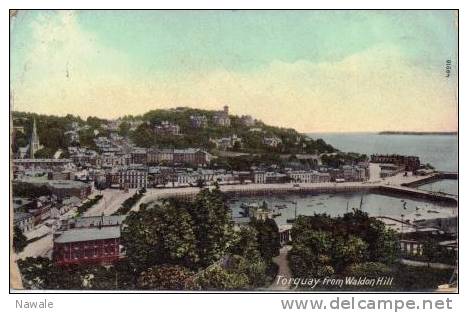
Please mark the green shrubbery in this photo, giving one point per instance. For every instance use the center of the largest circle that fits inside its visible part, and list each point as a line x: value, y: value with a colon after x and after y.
x: 130, y: 202
x: 88, y: 204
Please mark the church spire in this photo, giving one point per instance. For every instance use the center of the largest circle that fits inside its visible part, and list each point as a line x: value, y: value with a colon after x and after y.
x: 34, y: 144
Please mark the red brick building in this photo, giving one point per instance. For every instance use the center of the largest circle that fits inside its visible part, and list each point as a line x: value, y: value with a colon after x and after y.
x: 88, y: 240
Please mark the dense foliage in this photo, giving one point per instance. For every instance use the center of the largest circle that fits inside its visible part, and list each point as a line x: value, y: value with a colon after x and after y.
x: 26, y: 190
x: 176, y: 244
x: 324, y: 246
x: 19, y: 240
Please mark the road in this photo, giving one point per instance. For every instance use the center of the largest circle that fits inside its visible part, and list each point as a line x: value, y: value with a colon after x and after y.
x: 41, y: 247
x: 284, y: 271
x: 424, y: 264
x: 110, y: 202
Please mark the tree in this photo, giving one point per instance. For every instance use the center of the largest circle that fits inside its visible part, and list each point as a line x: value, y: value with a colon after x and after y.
x: 246, y: 257
x: 35, y: 272
x: 19, y: 240
x: 22, y: 189
x: 267, y: 237
x: 167, y: 277
x: 212, y: 225
x: 383, y: 245
x: 346, y: 251
x: 40, y: 273
x: 159, y: 234
x: 45, y: 153
x: 368, y: 269
x: 124, y: 129
x: 217, y: 278
x: 310, y: 254
x: 201, y: 183
x: 323, y: 245
x: 430, y: 250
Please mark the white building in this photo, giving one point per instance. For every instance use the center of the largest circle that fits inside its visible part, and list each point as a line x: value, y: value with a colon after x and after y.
x: 221, y: 118
x: 272, y: 141
x: 133, y: 177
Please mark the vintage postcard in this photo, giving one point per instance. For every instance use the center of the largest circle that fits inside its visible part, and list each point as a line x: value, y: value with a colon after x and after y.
x: 234, y: 150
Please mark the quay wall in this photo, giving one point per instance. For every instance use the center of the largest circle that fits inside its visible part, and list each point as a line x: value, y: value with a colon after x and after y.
x: 431, y: 178
x: 418, y: 194
x: 310, y: 189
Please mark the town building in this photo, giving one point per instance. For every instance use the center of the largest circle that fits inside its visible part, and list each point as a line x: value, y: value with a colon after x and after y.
x: 73, y: 136
x: 198, y: 121
x: 64, y: 206
x: 390, y: 169
x: 24, y: 220
x: 90, y: 221
x: 192, y: 156
x: 303, y: 176
x: 221, y: 118
x: 158, y: 156
x: 285, y: 231
x: 227, y: 142
x: 88, y: 240
x: 167, y: 128
x: 259, y: 177
x: 83, y: 156
x: 44, y: 164
x: 138, y: 156
x: 354, y: 173
x: 133, y: 177
x: 411, y: 163
x: 87, y: 245
x: 59, y: 175
x: 41, y: 209
x: 272, y: 141
x: 22, y: 204
x: 276, y: 178
x: 69, y: 188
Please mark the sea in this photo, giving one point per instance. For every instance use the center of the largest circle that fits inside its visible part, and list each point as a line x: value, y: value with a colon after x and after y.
x: 441, y: 151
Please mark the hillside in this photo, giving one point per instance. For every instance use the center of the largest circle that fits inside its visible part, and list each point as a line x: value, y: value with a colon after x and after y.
x: 140, y: 130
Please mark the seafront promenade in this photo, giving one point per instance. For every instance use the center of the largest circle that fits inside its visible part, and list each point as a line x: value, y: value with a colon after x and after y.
x: 395, y: 185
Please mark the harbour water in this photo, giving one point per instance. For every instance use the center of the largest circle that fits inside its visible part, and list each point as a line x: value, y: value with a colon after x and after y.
x: 441, y: 151
x: 339, y: 204
x: 447, y: 185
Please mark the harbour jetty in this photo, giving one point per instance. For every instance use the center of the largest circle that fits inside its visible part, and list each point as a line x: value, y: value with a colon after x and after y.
x: 431, y: 178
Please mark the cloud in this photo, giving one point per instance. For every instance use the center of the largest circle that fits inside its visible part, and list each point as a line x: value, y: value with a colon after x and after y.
x: 68, y: 70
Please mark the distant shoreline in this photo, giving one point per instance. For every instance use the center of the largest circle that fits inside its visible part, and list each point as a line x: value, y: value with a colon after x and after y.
x: 418, y: 133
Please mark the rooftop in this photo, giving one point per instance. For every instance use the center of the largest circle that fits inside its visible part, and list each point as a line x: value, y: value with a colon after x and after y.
x: 88, y: 234
x: 88, y: 221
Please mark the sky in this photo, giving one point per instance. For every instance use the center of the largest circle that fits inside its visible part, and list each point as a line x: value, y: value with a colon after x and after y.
x: 315, y: 71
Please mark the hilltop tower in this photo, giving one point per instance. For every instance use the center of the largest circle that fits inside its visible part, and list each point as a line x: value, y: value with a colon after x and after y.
x: 34, y: 144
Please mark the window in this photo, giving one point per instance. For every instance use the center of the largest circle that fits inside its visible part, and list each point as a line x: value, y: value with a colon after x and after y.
x: 76, y: 255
